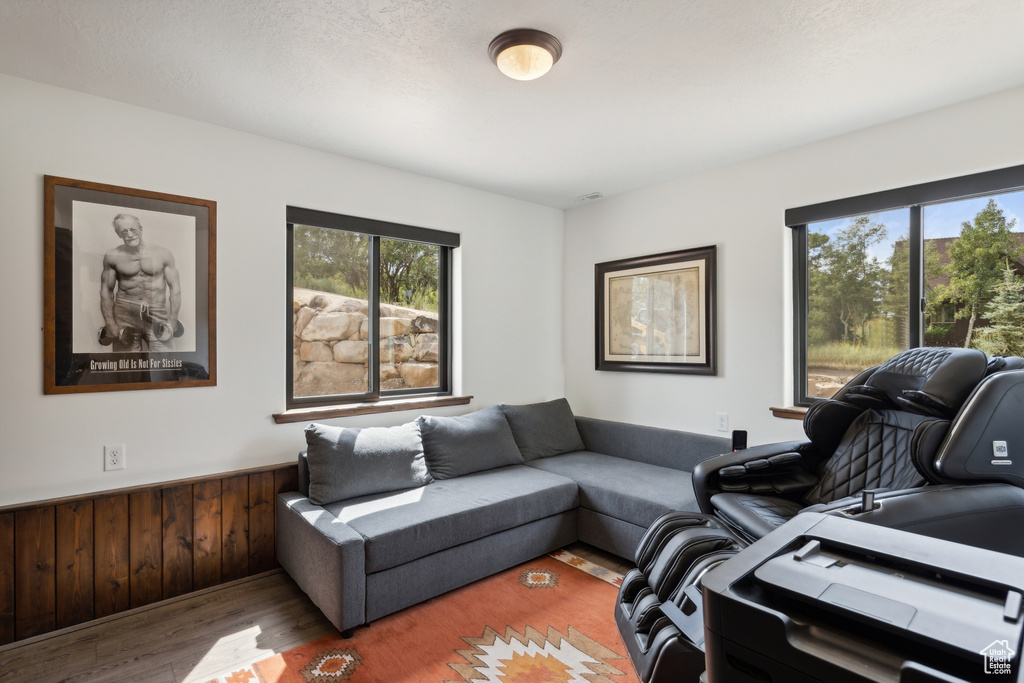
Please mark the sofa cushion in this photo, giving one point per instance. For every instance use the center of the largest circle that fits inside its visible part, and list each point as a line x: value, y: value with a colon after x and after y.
x: 652, y: 445
x: 401, y: 527
x: 543, y: 429
x: 455, y: 446
x: 349, y: 463
x: 632, y: 491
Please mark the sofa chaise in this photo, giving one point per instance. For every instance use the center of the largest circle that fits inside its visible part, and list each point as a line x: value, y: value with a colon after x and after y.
x: 385, y: 518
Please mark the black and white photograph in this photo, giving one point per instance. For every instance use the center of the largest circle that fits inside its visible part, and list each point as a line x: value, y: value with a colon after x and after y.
x: 134, y: 280
x: 131, y: 289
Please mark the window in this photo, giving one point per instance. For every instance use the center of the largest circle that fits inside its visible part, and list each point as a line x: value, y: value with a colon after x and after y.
x: 938, y: 264
x: 369, y: 311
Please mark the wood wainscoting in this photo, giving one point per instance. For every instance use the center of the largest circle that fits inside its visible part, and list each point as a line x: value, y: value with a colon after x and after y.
x: 67, y: 561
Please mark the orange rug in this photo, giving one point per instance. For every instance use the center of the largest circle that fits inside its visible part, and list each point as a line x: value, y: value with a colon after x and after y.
x: 546, y: 621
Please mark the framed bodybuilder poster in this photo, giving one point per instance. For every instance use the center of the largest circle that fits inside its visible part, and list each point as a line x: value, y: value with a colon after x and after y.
x: 130, y: 289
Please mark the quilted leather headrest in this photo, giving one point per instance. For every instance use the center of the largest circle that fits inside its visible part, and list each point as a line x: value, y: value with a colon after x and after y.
x: 928, y: 381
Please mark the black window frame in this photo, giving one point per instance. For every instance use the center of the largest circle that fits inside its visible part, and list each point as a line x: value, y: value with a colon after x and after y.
x: 375, y: 230
x: 912, y: 198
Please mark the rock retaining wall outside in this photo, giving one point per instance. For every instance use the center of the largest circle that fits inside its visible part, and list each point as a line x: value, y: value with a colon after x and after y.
x: 331, y: 334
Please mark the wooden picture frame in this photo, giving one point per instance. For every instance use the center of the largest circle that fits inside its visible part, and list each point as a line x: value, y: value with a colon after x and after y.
x: 129, y: 289
x: 657, y: 313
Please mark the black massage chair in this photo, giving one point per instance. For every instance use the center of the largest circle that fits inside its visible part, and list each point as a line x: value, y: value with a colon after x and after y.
x: 927, y: 417
x: 931, y: 442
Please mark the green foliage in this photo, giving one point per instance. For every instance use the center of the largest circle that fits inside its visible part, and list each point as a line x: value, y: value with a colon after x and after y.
x: 843, y: 356
x: 322, y: 254
x: 846, y: 282
x: 936, y: 331
x: 977, y: 259
x: 409, y: 273
x: 336, y: 261
x: 425, y: 301
x: 1005, y: 313
x: 331, y: 286
x: 896, y: 302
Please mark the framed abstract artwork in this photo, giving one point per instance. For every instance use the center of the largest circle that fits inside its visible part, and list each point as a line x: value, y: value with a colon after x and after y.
x: 657, y: 313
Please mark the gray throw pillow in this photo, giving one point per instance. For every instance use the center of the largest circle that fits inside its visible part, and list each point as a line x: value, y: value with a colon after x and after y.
x: 479, y: 441
x: 347, y: 463
x: 543, y: 429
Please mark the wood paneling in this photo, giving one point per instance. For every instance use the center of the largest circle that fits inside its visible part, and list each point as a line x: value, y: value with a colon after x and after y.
x: 145, y: 547
x: 111, y: 555
x: 35, y: 599
x: 6, y: 578
x: 74, y: 566
x: 206, y: 521
x: 286, y: 480
x: 261, y: 523
x: 177, y: 541
x: 234, y: 500
x: 64, y: 562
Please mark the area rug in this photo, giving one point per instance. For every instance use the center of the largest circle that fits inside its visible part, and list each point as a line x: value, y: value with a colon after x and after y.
x: 546, y: 621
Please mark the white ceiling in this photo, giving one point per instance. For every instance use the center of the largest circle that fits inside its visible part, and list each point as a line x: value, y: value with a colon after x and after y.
x: 646, y: 90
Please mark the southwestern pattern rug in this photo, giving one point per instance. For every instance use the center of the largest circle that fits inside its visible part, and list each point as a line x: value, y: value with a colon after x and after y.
x: 546, y: 621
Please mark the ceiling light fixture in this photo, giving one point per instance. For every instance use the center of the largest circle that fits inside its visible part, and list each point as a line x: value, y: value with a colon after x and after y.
x: 525, y: 53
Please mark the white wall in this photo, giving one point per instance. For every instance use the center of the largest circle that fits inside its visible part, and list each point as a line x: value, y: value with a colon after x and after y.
x: 508, y: 279
x: 510, y: 270
x: 741, y: 209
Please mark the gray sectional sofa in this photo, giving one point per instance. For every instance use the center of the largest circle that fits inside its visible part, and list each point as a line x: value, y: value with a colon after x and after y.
x: 388, y: 517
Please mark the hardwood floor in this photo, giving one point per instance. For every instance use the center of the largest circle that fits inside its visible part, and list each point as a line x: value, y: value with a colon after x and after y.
x: 598, y: 556
x: 192, y: 638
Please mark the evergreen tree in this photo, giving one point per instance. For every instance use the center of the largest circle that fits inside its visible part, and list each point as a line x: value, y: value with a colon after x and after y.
x: 977, y: 259
x: 1005, y: 312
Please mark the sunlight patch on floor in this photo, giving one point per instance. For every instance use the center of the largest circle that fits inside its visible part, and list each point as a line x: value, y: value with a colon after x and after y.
x: 225, y: 660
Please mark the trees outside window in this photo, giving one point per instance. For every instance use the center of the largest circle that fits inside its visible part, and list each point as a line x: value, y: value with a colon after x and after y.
x: 853, y: 268
x: 847, y: 281
x: 369, y: 310
x: 937, y: 270
x: 1004, y: 335
x: 977, y: 259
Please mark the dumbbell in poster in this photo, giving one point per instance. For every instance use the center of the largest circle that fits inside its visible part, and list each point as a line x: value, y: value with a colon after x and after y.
x: 129, y: 289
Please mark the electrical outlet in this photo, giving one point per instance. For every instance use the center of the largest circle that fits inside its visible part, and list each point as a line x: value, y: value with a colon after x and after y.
x: 722, y: 422
x: 113, y: 457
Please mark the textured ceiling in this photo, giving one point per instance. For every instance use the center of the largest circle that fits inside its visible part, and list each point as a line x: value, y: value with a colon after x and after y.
x: 646, y: 90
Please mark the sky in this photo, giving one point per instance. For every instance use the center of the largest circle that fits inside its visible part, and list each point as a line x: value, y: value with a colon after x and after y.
x: 938, y: 220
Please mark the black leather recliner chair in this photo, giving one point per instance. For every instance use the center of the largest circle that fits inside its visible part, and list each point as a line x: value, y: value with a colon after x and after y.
x: 882, y: 431
x: 936, y: 438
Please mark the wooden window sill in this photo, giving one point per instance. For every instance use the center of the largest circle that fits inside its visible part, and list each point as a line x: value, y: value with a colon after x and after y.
x: 789, y: 413
x: 385, y: 406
